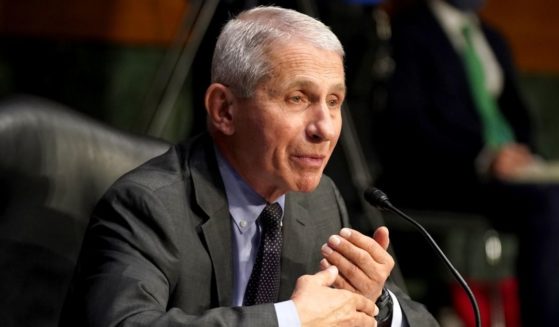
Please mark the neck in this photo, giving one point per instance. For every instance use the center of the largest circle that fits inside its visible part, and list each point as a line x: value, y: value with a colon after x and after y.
x: 269, y: 193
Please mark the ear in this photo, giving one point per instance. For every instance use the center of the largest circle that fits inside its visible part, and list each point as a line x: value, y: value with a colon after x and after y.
x: 219, y: 103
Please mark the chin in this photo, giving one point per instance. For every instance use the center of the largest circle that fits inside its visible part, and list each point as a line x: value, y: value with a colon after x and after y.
x: 307, y: 184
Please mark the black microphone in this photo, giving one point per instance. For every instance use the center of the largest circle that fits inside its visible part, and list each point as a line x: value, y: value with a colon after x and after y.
x: 378, y: 199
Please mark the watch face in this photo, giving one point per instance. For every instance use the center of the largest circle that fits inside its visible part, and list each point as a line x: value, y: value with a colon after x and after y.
x: 383, y: 298
x: 384, y: 304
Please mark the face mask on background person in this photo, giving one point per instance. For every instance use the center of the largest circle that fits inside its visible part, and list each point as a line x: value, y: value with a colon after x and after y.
x: 467, y: 5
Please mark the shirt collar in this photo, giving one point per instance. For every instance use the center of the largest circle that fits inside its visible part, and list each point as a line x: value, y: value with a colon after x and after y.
x: 245, y: 205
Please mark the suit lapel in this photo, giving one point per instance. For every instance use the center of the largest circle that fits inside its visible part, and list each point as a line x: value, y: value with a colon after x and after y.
x: 217, y: 232
x: 210, y: 196
x: 298, y: 242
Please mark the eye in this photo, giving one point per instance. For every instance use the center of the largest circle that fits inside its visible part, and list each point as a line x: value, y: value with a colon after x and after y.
x: 296, y: 99
x: 333, y: 102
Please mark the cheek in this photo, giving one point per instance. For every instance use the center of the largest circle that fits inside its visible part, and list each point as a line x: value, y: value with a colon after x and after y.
x: 284, y: 136
x: 253, y: 131
x: 271, y: 146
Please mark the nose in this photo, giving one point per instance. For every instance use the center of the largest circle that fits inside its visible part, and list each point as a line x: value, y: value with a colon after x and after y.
x: 324, y: 123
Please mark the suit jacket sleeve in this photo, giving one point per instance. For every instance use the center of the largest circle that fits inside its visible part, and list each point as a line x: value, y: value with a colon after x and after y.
x: 129, y: 267
x: 414, y: 313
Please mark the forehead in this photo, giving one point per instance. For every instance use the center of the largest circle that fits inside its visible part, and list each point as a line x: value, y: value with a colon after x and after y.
x: 297, y: 62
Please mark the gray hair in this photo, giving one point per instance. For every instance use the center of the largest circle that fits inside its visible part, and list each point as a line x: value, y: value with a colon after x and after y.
x: 240, y: 60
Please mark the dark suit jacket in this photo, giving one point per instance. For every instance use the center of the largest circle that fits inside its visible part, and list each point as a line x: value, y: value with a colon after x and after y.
x: 430, y: 134
x: 158, y: 248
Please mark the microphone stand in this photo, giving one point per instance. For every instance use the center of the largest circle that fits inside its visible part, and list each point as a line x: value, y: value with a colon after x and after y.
x: 161, y: 98
x: 378, y: 199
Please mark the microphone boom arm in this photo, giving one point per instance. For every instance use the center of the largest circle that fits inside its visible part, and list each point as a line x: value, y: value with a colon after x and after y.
x: 378, y: 199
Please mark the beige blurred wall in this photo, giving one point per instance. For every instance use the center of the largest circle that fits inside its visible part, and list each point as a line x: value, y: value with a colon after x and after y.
x: 532, y: 28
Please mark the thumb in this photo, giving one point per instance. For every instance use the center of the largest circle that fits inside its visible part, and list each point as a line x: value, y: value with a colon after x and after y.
x: 327, y: 276
x: 381, y: 237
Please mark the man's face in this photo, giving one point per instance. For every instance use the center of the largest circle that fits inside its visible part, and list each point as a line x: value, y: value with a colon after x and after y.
x: 285, y: 134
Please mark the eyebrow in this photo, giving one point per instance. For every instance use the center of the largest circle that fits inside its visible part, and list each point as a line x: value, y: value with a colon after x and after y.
x: 340, y: 87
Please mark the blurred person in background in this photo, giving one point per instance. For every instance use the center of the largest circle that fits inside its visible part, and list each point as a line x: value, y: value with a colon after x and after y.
x: 456, y: 135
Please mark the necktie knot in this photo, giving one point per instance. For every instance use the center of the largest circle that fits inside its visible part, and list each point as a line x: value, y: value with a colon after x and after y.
x: 271, y: 216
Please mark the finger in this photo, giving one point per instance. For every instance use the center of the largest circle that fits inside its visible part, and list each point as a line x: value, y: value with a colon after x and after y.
x: 365, y: 305
x: 340, y: 282
x: 518, y: 156
x: 354, y: 276
x: 521, y: 148
x: 340, y: 252
x: 521, y: 154
x: 327, y: 276
x: 361, y: 241
x: 527, y: 156
x: 381, y: 237
x: 365, y: 320
x: 365, y: 273
x: 508, y: 147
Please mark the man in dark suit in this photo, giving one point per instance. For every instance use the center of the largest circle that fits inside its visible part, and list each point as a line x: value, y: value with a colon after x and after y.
x: 185, y: 239
x: 438, y: 152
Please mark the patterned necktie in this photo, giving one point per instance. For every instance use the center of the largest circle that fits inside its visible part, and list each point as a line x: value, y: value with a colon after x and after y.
x: 496, y: 130
x: 263, y: 285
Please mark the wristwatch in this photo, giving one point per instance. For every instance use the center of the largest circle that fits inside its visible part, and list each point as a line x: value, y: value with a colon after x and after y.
x: 384, y: 304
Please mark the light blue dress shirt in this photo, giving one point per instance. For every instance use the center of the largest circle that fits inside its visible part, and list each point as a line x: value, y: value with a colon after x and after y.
x: 245, y: 205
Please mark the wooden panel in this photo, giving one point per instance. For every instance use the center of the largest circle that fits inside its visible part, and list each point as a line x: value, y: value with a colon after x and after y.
x: 128, y: 21
x: 532, y: 28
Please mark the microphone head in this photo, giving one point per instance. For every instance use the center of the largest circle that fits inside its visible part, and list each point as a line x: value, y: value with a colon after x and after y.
x: 377, y: 198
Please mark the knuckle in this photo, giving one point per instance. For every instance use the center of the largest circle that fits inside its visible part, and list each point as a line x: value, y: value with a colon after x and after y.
x: 362, y: 256
x: 352, y: 271
x: 303, y: 279
x: 390, y: 262
x: 357, y: 258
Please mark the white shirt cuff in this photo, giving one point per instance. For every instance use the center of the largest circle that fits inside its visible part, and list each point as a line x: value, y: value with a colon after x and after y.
x: 287, y: 314
x: 397, y: 316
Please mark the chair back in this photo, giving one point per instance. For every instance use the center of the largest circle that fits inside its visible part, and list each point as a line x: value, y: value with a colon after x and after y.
x: 55, y: 164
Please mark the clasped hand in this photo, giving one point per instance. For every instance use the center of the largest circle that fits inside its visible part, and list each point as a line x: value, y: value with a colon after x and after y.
x: 354, y: 270
x: 363, y: 262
